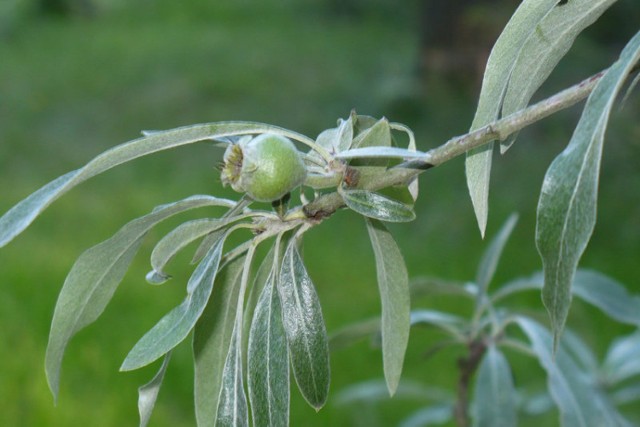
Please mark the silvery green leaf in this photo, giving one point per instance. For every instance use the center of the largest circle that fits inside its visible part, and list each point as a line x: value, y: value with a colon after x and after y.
x: 353, y: 332
x: 337, y: 139
x: 623, y: 359
x: 233, y: 410
x: 232, y: 214
x: 537, y: 404
x: 521, y: 284
x: 268, y: 360
x: 262, y: 277
x: 592, y: 287
x: 413, y: 187
x: 499, y: 69
x: 377, y: 206
x: 423, y: 285
x: 494, y: 403
x: 393, y: 285
x: 21, y: 215
x: 374, y: 391
x: 627, y: 394
x: 448, y: 322
x: 608, y: 295
x: 176, y: 240
x: 376, y: 152
x: 546, y: 46
x: 95, y: 276
x: 433, y: 415
x: 176, y: 325
x: 148, y: 393
x: 211, y: 341
x: 206, y: 244
x: 491, y: 256
x: 567, y: 205
x: 577, y: 395
x: 580, y: 352
x: 305, y: 329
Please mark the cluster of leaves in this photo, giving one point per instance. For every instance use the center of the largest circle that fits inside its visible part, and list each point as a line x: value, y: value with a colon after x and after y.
x: 263, y: 324
x: 254, y: 328
x: 536, y: 38
x: 586, y: 392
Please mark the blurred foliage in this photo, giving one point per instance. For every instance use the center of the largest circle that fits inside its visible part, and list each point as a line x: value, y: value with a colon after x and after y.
x: 73, y: 85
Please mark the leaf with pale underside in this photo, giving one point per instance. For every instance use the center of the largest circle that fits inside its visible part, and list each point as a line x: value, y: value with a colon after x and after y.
x: 381, y: 153
x: 337, y: 139
x: 393, y: 285
x: 494, y: 393
x: 233, y: 410
x: 304, y: 327
x: 377, y: 206
x: 95, y: 276
x: 174, y: 242
x: 499, y: 69
x: 21, y: 215
x: 148, y: 393
x: 211, y: 341
x: 568, y: 199
x: 489, y: 261
x: 268, y: 359
x: 548, y: 44
x: 176, y: 325
x: 623, y: 359
x: 579, y: 398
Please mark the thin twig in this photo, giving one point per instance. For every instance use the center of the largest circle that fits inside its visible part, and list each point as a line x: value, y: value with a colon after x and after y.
x: 468, y: 366
x: 324, y: 206
x: 503, y: 128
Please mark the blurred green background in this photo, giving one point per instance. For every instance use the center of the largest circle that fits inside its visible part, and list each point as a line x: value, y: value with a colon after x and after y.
x: 78, y: 77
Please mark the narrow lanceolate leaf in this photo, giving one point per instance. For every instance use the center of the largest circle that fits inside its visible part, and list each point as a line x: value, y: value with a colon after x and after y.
x: 176, y: 325
x: 623, y: 359
x: 304, y: 328
x: 211, y: 341
x: 268, y: 360
x: 233, y: 410
x: 546, y: 46
x: 433, y: 415
x: 353, y: 332
x: 148, y: 393
x: 608, y: 295
x: 580, y: 401
x: 177, y: 240
x: 96, y: 274
x: 381, y: 153
x: 490, y: 258
x: 377, y: 206
x: 494, y: 394
x: 21, y: 215
x: 567, y: 205
x: 393, y: 284
x: 454, y: 325
x: 499, y: 68
x: 591, y: 287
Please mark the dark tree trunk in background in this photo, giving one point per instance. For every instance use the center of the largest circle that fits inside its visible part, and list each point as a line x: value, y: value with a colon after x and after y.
x: 83, y: 8
x: 456, y: 36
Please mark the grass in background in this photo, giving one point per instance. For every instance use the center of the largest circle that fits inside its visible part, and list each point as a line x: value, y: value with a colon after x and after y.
x: 71, y: 88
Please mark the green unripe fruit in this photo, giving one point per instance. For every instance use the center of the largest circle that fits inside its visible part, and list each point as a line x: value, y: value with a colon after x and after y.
x: 265, y: 167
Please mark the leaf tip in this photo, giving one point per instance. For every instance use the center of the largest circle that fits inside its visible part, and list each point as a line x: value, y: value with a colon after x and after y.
x: 155, y: 277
